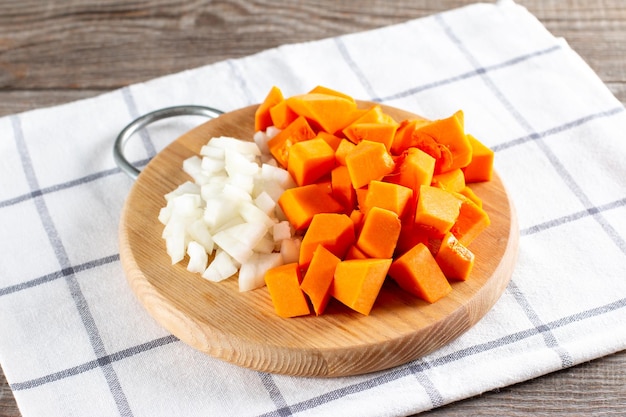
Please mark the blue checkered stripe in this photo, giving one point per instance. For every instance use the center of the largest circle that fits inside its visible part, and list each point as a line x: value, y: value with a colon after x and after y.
x: 78, y: 277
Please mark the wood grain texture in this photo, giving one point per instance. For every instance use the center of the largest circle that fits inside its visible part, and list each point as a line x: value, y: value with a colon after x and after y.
x: 242, y: 328
x: 61, y: 50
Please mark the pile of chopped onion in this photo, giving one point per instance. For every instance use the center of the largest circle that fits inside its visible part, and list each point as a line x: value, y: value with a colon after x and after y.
x: 230, y: 211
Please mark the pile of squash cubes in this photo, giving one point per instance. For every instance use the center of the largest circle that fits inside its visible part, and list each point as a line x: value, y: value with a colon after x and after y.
x: 375, y: 198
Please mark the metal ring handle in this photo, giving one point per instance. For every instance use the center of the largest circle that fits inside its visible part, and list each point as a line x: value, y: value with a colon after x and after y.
x: 146, y: 119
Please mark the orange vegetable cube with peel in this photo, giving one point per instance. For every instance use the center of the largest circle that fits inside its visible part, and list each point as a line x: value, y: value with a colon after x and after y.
x: 379, y: 234
x: 480, y: 167
x: 342, y: 189
x: 330, y: 112
x: 368, y: 161
x: 282, y: 115
x: 389, y: 196
x: 283, y: 284
x: 299, y: 130
x: 300, y: 204
x: 357, y: 282
x: 437, y: 208
x: 417, y: 272
x: 333, y: 231
x: 450, y: 181
x: 310, y: 160
x: 471, y: 222
x: 344, y: 147
x: 319, y: 278
x: 455, y: 260
x: 262, y: 116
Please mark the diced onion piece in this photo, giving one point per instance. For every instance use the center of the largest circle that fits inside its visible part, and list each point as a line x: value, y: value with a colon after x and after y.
x: 221, y: 267
x: 272, y: 131
x: 211, y: 166
x: 198, y: 257
x: 200, y: 233
x: 265, y: 245
x: 231, y: 210
x: 252, y: 273
x: 187, y: 187
x: 290, y: 250
x: 265, y: 203
x: 219, y: 211
x: 281, y: 231
x: 260, y: 138
x: 252, y: 214
x: 241, y: 146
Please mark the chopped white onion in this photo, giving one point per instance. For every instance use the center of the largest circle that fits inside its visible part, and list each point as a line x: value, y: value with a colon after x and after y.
x: 230, y: 211
x: 198, y: 257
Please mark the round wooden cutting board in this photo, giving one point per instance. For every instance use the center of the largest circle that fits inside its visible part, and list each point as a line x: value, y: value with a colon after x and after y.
x: 242, y: 328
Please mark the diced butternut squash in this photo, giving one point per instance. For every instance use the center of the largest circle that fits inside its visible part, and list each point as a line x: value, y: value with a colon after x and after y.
x: 374, y: 125
x: 417, y: 272
x: 355, y: 253
x: 282, y: 115
x: 342, y: 189
x: 320, y: 89
x: 412, y: 234
x: 319, y: 278
x: 283, y: 284
x: 262, y: 116
x: 332, y: 140
x: 344, y: 147
x: 437, y: 208
x: 368, y: 161
x: 330, y: 112
x: 297, y: 131
x: 310, y: 160
x: 414, y: 169
x: 374, y: 198
x: 472, y: 220
x: 375, y: 132
x: 333, y: 231
x: 450, y: 133
x: 453, y: 181
x: 455, y: 260
x: 389, y: 196
x: 403, y: 138
x: 380, y: 232
x: 469, y: 193
x: 480, y: 167
x: 374, y: 114
x: 300, y: 204
x: 357, y: 282
x: 361, y: 194
x: 357, y: 218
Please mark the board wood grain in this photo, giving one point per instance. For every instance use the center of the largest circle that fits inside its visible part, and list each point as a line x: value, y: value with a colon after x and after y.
x: 242, y: 328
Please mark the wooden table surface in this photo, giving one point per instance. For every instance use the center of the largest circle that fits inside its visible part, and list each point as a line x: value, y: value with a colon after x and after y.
x: 57, y: 51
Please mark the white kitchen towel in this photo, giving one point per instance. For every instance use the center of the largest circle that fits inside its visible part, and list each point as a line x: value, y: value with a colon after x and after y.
x: 75, y: 342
